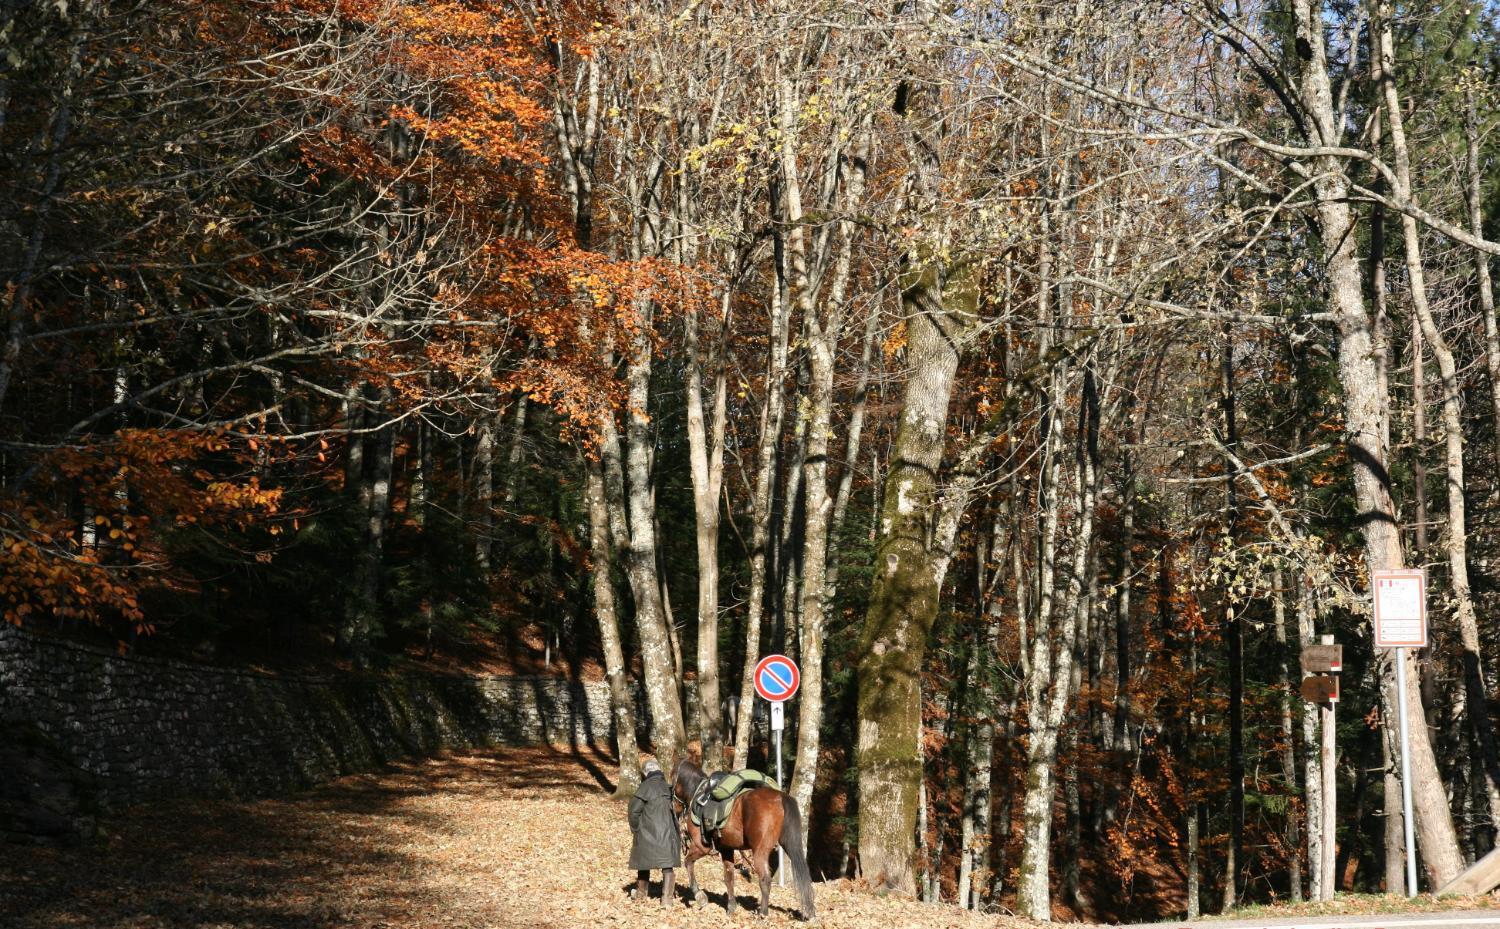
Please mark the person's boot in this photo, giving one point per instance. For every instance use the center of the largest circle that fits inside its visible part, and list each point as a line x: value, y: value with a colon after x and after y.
x: 668, y: 888
x: 642, y: 886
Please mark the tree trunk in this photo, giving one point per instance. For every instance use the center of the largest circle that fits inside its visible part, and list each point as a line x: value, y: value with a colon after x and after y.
x: 1054, y: 640
x: 706, y: 450
x: 657, y: 662
x: 1364, y: 409
x: 771, y: 414
x: 904, y: 593
x: 621, y: 700
x: 1455, y: 535
x: 1288, y: 740
x: 1312, y: 768
x: 1474, y: 196
x: 1234, y: 635
x: 824, y: 325
x: 484, y: 492
x: 362, y: 609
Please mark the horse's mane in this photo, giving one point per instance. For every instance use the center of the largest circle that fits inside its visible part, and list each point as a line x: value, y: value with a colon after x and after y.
x: 686, y: 777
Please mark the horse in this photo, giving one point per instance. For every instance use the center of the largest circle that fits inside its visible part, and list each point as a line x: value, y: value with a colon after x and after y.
x: 762, y: 818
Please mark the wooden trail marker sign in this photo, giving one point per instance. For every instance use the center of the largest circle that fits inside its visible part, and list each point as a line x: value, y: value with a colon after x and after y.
x: 1322, y: 659
x: 1321, y: 688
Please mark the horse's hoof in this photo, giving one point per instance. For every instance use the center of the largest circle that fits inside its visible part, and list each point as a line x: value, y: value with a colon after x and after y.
x: 700, y: 899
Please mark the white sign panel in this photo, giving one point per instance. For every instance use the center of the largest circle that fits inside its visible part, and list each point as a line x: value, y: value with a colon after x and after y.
x: 1400, y: 608
x: 778, y: 716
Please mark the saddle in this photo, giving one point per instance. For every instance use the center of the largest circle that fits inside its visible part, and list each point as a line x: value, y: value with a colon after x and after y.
x: 713, y: 801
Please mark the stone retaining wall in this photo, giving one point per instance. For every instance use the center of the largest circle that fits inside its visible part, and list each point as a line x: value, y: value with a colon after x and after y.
x: 143, y: 728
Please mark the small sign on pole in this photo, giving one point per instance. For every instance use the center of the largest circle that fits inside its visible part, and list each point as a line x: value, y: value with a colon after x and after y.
x: 776, y: 678
x: 1322, y: 688
x: 1400, y: 608
x: 778, y: 716
x: 1322, y: 659
x: 1401, y: 623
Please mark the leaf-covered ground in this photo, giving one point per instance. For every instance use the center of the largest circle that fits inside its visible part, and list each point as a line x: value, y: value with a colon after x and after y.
x: 503, y: 838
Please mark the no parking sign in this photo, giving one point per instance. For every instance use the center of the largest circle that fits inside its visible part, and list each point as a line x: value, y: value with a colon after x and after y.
x: 776, y: 678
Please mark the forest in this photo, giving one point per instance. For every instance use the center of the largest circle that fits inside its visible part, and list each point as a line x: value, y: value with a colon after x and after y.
x: 1041, y: 375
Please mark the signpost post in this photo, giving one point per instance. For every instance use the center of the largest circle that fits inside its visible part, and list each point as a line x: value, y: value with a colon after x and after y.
x: 777, y: 679
x: 1323, y: 663
x: 1401, y: 623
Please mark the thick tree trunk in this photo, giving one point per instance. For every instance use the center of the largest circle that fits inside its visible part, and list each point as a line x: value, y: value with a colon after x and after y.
x: 1364, y: 410
x: 1455, y: 535
x: 904, y: 593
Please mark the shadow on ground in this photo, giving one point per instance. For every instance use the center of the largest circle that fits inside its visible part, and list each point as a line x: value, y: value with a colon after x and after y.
x: 362, y: 851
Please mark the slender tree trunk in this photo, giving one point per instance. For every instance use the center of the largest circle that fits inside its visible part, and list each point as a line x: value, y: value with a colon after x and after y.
x: 771, y: 415
x: 362, y: 610
x: 1288, y: 740
x: 1052, y: 651
x: 824, y: 326
x: 658, y: 663
x: 484, y: 492
x: 513, y: 454
x: 976, y: 847
x: 1234, y: 635
x: 1312, y: 768
x: 706, y: 450
x: 852, y: 446
x: 1395, y: 829
x: 621, y: 700
x: 1474, y: 196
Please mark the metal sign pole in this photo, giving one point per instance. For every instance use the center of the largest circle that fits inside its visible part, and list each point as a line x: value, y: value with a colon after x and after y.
x: 1406, y: 814
x: 781, y: 855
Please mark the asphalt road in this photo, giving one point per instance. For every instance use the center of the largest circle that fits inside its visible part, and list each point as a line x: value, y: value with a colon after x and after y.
x: 1463, y: 919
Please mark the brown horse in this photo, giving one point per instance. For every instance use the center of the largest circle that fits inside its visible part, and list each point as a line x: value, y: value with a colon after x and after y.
x: 762, y: 819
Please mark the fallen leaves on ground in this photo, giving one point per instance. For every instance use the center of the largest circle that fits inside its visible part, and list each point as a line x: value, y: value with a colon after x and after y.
x: 503, y: 838
x: 1365, y: 904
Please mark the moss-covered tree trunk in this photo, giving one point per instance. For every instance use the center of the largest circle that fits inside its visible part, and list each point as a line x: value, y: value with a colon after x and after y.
x: 904, y: 594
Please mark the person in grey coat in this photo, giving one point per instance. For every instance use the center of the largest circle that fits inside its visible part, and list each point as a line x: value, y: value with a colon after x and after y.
x: 657, y: 843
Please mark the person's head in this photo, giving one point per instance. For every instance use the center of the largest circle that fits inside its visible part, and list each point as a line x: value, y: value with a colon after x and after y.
x: 649, y: 767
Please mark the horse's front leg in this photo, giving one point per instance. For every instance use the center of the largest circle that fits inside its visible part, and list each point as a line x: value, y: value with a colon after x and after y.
x: 696, y: 850
x: 729, y: 881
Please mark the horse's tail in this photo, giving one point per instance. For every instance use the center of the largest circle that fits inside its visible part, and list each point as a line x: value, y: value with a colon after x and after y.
x: 791, y: 847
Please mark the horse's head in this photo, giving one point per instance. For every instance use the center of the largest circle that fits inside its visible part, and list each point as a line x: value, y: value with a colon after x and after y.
x: 686, y: 777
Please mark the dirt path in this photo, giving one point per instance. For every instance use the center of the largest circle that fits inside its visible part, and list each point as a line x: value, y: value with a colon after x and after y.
x: 491, y: 839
